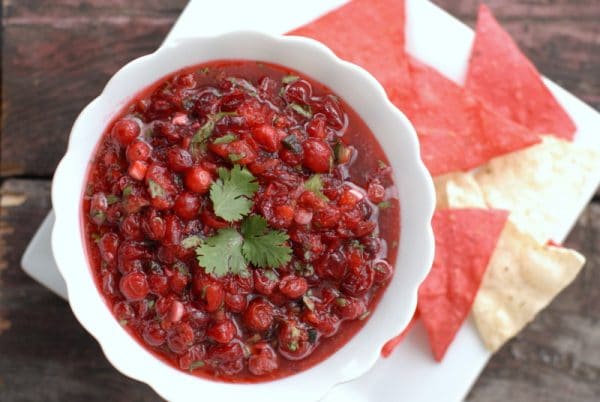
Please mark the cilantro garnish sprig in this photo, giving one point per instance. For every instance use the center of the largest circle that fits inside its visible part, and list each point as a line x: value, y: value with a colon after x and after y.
x: 230, y: 251
x: 232, y: 193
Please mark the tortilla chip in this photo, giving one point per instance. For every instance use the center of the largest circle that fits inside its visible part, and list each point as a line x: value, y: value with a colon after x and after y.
x: 540, y: 185
x: 369, y: 33
x: 456, y: 131
x: 458, y: 190
x: 465, y: 240
x: 508, y: 82
x: 522, y: 278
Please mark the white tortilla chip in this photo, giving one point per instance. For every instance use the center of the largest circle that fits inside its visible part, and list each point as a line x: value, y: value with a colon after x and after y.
x: 521, y: 279
x: 543, y: 186
x: 458, y: 190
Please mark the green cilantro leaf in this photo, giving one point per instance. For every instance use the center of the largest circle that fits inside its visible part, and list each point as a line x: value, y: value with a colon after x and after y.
x: 264, y: 247
x: 156, y: 191
x: 222, y: 253
x: 315, y: 185
x: 232, y: 193
x: 302, y: 110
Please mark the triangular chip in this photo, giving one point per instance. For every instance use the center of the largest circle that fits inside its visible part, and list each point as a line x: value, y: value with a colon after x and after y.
x: 465, y: 240
x: 458, y: 190
x: 522, y: 278
x: 542, y: 186
x: 369, y: 33
x: 507, y: 81
x: 456, y: 131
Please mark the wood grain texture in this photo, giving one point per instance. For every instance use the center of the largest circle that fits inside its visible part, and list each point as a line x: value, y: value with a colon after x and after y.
x: 56, y: 56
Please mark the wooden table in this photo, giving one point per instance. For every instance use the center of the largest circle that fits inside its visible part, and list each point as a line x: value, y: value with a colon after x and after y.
x: 57, y: 56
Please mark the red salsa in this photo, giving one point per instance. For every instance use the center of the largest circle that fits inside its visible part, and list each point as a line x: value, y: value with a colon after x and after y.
x: 240, y: 221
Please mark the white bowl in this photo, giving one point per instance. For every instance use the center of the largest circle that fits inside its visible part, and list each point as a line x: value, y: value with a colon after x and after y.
x: 392, y: 129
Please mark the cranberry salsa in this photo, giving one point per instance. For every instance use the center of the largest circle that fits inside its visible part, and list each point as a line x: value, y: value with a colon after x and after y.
x: 240, y: 221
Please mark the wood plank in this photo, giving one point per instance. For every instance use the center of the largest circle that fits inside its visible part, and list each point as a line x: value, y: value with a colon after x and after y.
x: 50, y: 74
x: 45, y: 351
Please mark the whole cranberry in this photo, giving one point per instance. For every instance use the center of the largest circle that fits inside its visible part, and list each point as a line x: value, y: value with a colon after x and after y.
x: 187, y: 205
x: 263, y: 359
x: 259, y: 314
x: 293, y: 286
x: 138, y: 151
x: 125, y: 131
x: 222, y: 331
x: 179, y: 159
x: 318, y: 156
x: 198, y: 180
x: 134, y: 286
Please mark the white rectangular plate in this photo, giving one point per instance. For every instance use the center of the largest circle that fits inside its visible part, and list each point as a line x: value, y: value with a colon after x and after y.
x: 410, y: 373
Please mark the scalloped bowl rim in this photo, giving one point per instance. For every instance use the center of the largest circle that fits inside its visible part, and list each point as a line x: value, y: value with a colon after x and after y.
x: 368, y: 98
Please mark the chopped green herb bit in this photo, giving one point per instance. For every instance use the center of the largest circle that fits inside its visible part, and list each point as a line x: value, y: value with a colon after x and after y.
x: 312, y: 335
x: 293, y: 346
x: 96, y: 237
x: 111, y: 199
x: 381, y: 164
x: 226, y: 139
x: 127, y: 191
x: 291, y: 142
x: 357, y: 245
x: 315, y: 185
x: 340, y: 301
x: 156, y: 191
x: 384, y: 204
x: 150, y: 304
x: 191, y: 242
x: 364, y: 315
x: 196, y: 365
x: 302, y: 110
x: 232, y: 193
x: 123, y: 322
x: 236, y: 157
x: 182, y: 268
x: 206, y: 131
x: 288, y: 79
x: 204, y: 70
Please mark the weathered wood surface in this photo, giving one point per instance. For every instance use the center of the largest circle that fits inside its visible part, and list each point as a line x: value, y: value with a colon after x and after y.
x: 56, y: 56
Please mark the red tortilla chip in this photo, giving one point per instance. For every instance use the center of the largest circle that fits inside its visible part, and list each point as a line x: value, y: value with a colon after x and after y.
x: 456, y: 131
x: 508, y: 82
x: 369, y: 33
x: 465, y: 240
x: 393, y: 343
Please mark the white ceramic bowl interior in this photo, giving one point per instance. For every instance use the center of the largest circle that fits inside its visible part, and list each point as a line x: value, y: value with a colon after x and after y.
x: 397, y: 137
